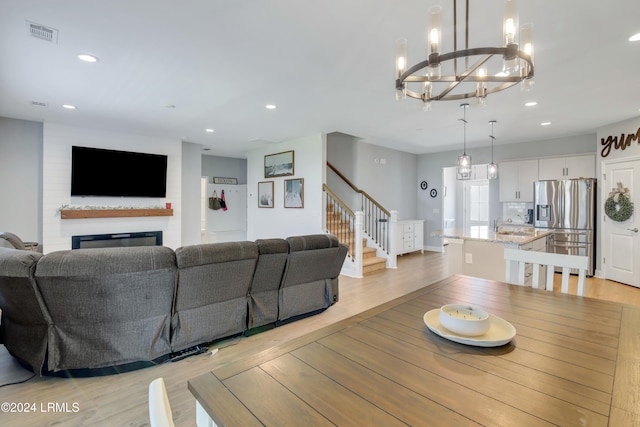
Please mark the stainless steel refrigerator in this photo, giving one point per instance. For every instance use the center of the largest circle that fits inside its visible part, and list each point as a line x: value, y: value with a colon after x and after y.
x: 568, y: 208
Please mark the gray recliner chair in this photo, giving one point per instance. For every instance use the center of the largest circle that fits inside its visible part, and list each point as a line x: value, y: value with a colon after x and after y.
x: 107, y: 306
x: 25, y: 323
x: 263, y: 299
x: 310, y: 282
x: 11, y: 241
x: 211, y: 300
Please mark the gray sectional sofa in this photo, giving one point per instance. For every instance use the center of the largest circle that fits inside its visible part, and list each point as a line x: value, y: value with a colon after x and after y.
x: 114, y: 309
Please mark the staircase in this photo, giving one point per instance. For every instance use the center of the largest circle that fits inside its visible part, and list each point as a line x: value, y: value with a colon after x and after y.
x: 341, y: 226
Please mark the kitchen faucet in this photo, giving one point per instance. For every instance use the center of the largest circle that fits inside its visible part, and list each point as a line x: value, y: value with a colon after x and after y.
x: 497, y: 222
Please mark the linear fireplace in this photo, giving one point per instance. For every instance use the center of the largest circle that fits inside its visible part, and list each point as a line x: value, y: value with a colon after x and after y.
x: 144, y: 238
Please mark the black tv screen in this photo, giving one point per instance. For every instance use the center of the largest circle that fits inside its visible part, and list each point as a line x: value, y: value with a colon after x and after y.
x: 99, y: 172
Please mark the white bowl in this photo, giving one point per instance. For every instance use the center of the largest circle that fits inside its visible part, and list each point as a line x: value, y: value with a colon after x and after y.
x: 464, y: 319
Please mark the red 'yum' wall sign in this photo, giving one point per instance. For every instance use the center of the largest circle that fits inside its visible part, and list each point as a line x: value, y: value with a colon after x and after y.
x: 618, y: 144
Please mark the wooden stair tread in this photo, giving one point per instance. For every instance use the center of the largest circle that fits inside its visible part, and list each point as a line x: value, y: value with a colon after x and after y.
x: 373, y: 260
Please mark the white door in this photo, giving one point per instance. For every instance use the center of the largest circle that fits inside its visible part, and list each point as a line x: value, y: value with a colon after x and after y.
x: 476, y: 203
x: 621, y: 240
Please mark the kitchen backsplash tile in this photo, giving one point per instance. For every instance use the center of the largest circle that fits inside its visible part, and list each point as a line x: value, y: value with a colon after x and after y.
x: 516, y: 212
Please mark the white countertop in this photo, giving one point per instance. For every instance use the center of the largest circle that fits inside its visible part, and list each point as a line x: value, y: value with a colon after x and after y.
x: 517, y: 235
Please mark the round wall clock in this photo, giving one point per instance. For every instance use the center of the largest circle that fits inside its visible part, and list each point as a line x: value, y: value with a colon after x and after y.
x: 424, y: 185
x: 434, y: 192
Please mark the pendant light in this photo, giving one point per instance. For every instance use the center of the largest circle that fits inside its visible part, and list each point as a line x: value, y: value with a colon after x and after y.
x: 464, y: 161
x: 492, y: 168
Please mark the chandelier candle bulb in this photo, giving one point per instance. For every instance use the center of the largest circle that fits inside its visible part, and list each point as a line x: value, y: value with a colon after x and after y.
x: 435, y: 32
x: 510, y: 29
x: 435, y: 42
x: 481, y: 87
x: 510, y: 22
x: 401, y: 66
x: 526, y: 41
x: 401, y: 56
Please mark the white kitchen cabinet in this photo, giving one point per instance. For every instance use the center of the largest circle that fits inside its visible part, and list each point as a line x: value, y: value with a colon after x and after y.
x: 516, y: 180
x: 410, y: 236
x: 479, y: 171
x: 581, y: 166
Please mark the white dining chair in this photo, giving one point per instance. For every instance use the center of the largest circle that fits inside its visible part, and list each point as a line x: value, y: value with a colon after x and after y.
x: 159, y: 409
x: 551, y: 261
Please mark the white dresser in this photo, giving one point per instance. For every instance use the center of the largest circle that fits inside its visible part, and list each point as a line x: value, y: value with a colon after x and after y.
x: 410, y: 236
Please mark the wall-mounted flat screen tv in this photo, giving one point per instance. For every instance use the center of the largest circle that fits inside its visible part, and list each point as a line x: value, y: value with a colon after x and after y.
x: 100, y: 172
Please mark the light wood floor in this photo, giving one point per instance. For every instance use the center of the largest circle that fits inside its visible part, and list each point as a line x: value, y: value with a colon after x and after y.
x: 121, y: 400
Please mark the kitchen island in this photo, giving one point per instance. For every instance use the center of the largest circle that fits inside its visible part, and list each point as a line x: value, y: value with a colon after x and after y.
x: 479, y: 251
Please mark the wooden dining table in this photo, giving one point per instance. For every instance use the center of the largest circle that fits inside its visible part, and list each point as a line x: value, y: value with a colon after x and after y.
x: 573, y: 361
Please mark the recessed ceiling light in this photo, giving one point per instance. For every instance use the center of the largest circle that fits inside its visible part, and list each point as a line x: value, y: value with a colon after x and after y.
x: 635, y: 37
x: 270, y: 107
x: 87, y: 58
x: 545, y: 123
x: 69, y: 106
x: 531, y: 104
x: 210, y: 130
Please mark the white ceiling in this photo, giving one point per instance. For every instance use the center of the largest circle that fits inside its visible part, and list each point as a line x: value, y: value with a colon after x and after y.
x: 328, y: 66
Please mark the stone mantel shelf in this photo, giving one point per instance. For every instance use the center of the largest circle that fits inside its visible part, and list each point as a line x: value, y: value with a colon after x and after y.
x: 113, y: 213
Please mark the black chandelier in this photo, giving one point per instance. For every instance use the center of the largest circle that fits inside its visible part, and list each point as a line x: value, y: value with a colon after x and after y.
x: 430, y: 83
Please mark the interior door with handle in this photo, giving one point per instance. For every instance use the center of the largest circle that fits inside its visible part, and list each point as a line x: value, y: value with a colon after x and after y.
x: 621, y: 240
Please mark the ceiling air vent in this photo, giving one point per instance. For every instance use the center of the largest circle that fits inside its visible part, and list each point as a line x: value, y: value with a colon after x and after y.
x: 42, y: 32
x: 38, y: 103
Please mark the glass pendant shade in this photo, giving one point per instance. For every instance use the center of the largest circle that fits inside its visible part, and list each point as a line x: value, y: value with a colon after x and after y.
x: 492, y: 168
x: 464, y: 161
x: 492, y: 171
x: 464, y: 167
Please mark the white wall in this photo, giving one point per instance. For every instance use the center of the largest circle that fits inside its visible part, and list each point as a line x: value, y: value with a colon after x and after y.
x: 21, y: 178
x: 57, y: 143
x: 342, y: 153
x: 310, y: 159
x: 388, y: 175
x: 225, y: 167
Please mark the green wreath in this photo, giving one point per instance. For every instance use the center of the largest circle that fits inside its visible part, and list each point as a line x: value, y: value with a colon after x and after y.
x: 620, y: 210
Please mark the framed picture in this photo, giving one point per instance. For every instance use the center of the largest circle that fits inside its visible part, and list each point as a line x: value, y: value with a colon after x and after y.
x: 265, y: 194
x: 279, y: 164
x: 294, y: 193
x: 223, y: 180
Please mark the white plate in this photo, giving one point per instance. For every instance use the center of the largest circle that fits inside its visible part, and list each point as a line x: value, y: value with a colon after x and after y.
x: 500, y: 332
